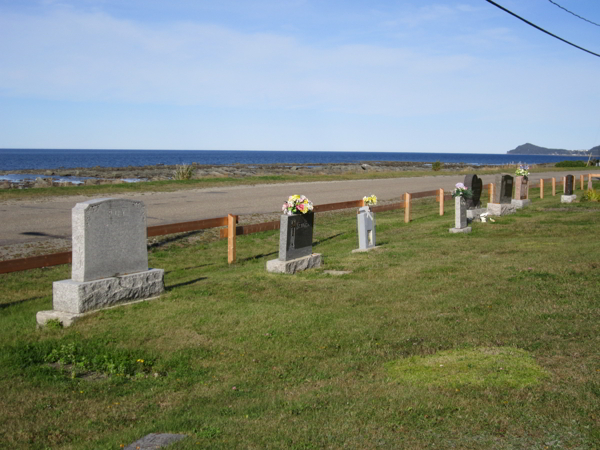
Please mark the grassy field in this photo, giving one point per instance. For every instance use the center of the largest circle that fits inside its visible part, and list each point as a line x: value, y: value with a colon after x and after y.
x: 480, y: 341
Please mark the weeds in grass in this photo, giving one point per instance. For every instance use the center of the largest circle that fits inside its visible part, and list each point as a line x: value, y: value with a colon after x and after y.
x: 183, y: 172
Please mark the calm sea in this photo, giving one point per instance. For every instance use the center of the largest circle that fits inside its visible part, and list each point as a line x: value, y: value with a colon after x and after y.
x: 23, y: 159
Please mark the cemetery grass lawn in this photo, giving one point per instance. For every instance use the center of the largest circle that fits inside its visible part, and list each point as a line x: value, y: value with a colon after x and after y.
x: 436, y: 340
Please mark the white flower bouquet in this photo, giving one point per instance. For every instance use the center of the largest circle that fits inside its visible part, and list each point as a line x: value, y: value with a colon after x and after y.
x: 462, y: 191
x: 522, y: 171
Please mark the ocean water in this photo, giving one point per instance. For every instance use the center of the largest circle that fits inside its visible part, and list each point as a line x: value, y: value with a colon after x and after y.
x: 23, y: 159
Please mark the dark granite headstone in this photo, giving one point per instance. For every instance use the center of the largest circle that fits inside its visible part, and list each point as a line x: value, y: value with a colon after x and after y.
x: 504, y: 189
x: 570, y: 181
x: 295, y: 236
x: 476, y: 185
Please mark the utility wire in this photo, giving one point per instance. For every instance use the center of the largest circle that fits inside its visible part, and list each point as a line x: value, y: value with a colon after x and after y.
x: 541, y: 29
x: 576, y: 15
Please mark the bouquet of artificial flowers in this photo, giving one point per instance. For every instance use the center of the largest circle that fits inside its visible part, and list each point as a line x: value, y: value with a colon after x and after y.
x: 462, y: 191
x: 370, y: 201
x: 522, y: 171
x: 297, y: 204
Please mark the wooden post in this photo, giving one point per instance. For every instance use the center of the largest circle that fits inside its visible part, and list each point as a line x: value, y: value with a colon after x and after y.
x: 553, y: 186
x: 491, y: 192
x: 541, y: 188
x: 231, y: 228
x: 564, y: 181
x: 406, y: 207
x: 590, y: 186
x: 581, y: 181
x: 441, y: 194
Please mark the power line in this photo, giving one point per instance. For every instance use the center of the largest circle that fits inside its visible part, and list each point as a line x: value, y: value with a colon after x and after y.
x: 576, y: 15
x: 541, y: 29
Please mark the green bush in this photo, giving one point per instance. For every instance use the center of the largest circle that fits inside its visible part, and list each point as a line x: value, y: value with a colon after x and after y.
x: 183, y: 172
x: 591, y: 195
x: 571, y: 164
x: 437, y: 166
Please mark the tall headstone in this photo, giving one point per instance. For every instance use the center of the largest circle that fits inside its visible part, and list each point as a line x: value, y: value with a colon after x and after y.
x: 569, y: 183
x: 460, y: 216
x: 568, y: 196
x: 366, y: 229
x: 521, y: 192
x: 295, y: 245
x: 474, y: 183
x: 110, y: 261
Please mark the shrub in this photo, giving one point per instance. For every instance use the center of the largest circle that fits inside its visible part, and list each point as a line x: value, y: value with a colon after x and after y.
x: 183, y: 172
x: 437, y: 166
x: 591, y: 195
x: 571, y: 164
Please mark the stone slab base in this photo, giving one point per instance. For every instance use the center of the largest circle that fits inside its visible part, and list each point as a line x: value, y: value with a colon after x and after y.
x: 155, y: 441
x: 294, y: 265
x: 501, y: 209
x: 568, y: 198
x: 520, y: 203
x: 362, y: 250
x: 68, y: 319
x: 460, y: 230
x: 473, y: 214
x: 79, y: 297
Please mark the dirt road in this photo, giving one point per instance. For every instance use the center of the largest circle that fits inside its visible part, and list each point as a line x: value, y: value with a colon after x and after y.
x: 50, y: 218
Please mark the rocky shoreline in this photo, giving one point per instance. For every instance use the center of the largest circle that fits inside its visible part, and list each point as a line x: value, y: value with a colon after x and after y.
x: 116, y: 175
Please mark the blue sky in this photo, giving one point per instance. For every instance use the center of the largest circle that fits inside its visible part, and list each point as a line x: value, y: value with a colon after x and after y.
x: 404, y: 76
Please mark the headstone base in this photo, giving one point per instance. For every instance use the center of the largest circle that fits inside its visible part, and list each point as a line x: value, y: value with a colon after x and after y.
x: 520, y: 203
x: 501, y: 209
x: 473, y: 214
x: 155, y: 441
x: 460, y: 230
x: 361, y: 250
x: 75, y: 297
x: 294, y: 265
x: 568, y: 198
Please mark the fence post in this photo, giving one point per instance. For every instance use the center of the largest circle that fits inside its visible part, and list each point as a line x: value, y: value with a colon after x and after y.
x: 553, y: 186
x: 406, y: 207
x: 590, y: 181
x: 581, y: 181
x: 441, y: 194
x: 541, y: 188
x: 564, y: 181
x: 231, y: 229
x: 491, y: 192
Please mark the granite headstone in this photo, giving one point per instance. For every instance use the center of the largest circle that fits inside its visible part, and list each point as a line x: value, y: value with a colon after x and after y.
x: 366, y: 228
x: 109, y: 239
x: 570, y: 181
x: 474, y: 183
x: 503, y: 189
x: 295, y: 236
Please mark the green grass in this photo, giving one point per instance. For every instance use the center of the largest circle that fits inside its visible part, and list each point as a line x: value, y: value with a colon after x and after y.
x: 236, y: 357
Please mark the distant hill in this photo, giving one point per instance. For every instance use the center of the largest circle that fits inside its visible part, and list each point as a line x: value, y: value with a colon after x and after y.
x: 530, y: 149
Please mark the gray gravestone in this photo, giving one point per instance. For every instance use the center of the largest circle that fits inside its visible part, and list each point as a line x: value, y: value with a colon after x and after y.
x: 154, y: 441
x: 366, y: 228
x: 295, y: 236
x: 503, y: 189
x: 570, y: 181
x: 110, y: 261
x: 460, y: 216
x: 109, y: 239
x: 474, y: 183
